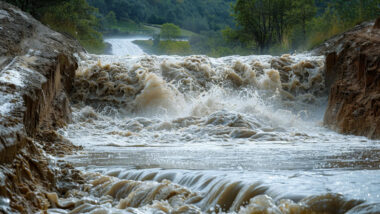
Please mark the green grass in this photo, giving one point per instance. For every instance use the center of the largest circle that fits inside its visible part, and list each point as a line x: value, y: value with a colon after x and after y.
x: 154, y: 28
x: 129, y: 27
x: 187, y: 33
x: 165, y: 47
x: 157, y: 30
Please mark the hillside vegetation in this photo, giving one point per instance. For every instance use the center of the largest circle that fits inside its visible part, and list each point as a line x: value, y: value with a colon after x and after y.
x: 193, y: 15
x: 213, y: 27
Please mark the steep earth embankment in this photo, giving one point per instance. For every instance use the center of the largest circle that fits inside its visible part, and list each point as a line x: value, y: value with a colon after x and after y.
x: 37, y: 67
x: 353, y: 75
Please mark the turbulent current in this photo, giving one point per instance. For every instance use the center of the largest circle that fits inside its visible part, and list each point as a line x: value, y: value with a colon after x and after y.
x: 125, y: 46
x: 169, y: 134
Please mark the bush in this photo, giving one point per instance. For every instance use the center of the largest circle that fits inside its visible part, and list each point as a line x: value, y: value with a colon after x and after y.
x: 78, y: 19
x: 174, y: 47
x: 170, y: 31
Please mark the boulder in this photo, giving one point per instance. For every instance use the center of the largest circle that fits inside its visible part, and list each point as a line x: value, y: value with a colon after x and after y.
x: 353, y: 76
x: 37, y: 69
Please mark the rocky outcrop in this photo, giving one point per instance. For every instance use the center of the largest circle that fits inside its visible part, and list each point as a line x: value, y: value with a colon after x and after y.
x: 37, y: 67
x: 37, y: 70
x: 353, y: 76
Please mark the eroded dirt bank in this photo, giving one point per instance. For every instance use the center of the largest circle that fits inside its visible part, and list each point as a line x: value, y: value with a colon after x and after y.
x: 353, y: 75
x: 37, y: 67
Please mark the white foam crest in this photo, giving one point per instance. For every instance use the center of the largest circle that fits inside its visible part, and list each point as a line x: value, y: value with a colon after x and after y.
x: 172, y: 99
x: 125, y: 46
x: 161, y: 81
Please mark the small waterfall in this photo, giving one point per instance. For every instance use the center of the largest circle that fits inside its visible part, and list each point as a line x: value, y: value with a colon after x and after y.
x: 125, y: 46
x: 195, y: 134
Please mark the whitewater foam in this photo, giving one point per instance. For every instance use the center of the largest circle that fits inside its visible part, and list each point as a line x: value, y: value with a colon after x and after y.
x: 211, y: 135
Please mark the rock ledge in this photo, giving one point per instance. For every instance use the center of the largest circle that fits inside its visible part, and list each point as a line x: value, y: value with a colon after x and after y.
x: 353, y: 76
x: 37, y: 69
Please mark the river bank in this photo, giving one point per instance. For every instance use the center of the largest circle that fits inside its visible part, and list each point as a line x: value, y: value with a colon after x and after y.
x: 37, y: 69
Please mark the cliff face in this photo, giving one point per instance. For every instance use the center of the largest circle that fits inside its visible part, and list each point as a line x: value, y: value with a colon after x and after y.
x: 37, y: 70
x: 353, y: 75
x: 37, y: 67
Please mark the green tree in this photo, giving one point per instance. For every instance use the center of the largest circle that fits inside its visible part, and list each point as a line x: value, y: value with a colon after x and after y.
x: 339, y: 16
x: 303, y: 11
x: 35, y: 7
x: 263, y: 21
x: 170, y: 31
x: 194, y: 15
x: 78, y: 19
x: 110, y: 18
x: 355, y: 11
x: 74, y: 17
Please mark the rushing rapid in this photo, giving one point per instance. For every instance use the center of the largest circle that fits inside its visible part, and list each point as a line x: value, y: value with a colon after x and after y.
x: 125, y: 46
x: 169, y: 134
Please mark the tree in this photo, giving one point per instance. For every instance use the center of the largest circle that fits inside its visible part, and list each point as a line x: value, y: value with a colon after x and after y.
x: 355, y: 11
x: 77, y: 18
x: 110, y: 19
x: 170, y: 31
x: 263, y: 21
x: 193, y: 15
x: 74, y: 17
x: 303, y: 11
x: 35, y: 7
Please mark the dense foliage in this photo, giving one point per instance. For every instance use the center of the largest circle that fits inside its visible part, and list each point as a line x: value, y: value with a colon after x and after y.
x: 279, y: 25
x: 261, y: 26
x: 74, y: 17
x: 170, y: 31
x: 264, y: 21
x: 339, y: 16
x: 167, y: 47
x: 194, y: 15
x: 214, y: 27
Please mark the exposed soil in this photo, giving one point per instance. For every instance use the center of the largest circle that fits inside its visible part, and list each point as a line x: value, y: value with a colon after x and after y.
x: 353, y: 76
x: 37, y: 68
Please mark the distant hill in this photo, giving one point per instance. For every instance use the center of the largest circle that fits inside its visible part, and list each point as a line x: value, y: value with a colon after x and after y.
x: 193, y: 15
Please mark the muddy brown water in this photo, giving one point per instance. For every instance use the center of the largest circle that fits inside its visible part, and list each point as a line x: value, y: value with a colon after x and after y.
x: 168, y: 134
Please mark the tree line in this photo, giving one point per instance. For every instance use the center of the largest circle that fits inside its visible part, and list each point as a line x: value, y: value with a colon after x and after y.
x: 193, y: 15
x: 223, y: 27
x: 296, y: 24
x: 74, y: 17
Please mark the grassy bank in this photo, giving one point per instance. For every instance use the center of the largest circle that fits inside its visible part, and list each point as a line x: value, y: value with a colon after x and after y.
x: 128, y: 28
x: 131, y: 28
x: 165, y: 47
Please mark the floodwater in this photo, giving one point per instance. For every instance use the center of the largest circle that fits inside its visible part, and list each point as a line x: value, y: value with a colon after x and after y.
x: 169, y: 134
x: 124, y: 46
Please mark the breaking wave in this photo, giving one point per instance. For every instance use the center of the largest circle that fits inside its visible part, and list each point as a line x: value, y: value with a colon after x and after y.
x: 199, y: 114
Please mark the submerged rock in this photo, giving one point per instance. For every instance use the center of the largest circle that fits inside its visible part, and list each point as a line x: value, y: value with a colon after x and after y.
x: 353, y: 75
x: 37, y: 67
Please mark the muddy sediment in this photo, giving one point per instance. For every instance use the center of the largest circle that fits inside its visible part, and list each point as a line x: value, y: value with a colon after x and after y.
x: 150, y: 82
x: 111, y: 194
x: 37, y: 70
